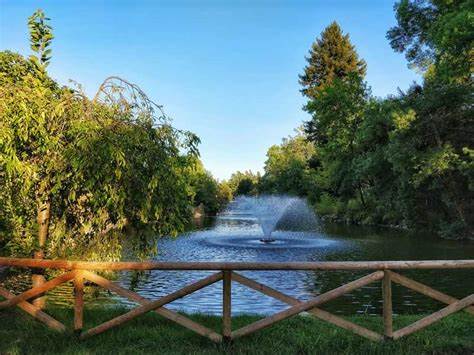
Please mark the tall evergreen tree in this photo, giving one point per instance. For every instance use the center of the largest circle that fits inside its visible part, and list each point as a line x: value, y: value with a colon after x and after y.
x: 331, y: 56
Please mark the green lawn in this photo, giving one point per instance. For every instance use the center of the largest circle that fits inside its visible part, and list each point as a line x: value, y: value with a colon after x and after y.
x: 21, y: 334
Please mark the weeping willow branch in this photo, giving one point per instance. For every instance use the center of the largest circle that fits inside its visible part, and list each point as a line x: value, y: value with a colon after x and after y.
x: 130, y: 99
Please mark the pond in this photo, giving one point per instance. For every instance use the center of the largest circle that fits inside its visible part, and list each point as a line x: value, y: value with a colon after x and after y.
x: 234, y: 236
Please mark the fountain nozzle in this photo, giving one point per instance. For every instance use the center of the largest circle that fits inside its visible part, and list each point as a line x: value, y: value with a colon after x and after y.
x: 267, y: 238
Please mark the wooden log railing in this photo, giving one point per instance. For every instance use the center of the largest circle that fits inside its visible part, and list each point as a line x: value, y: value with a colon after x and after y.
x: 78, y: 272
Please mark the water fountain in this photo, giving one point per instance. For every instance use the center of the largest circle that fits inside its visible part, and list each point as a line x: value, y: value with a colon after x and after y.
x: 271, y: 210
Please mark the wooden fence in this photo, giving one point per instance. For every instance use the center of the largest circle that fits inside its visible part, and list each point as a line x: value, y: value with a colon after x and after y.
x: 78, y: 272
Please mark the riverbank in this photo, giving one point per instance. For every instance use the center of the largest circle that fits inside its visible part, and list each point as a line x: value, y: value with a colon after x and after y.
x: 20, y: 334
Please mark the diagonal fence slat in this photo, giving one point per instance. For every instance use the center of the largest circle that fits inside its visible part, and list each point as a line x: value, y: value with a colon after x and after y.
x: 152, y: 305
x: 434, y: 317
x: 35, y: 291
x: 325, y: 297
x: 36, y: 312
x: 425, y: 290
x: 169, y: 314
x: 319, y: 313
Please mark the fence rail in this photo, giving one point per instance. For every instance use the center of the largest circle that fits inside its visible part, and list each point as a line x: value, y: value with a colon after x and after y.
x: 78, y: 272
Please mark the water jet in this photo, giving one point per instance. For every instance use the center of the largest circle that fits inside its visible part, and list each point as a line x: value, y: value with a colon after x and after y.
x: 271, y: 210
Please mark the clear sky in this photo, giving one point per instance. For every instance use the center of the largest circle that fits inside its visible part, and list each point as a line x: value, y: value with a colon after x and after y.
x: 226, y: 70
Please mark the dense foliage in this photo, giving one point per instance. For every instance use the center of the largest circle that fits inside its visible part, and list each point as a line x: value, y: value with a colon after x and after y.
x: 89, y: 176
x: 288, y: 168
x: 243, y: 183
x: 436, y: 35
x: 206, y: 191
x: 405, y: 160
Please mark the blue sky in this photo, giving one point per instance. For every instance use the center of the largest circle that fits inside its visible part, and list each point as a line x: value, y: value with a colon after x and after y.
x: 226, y: 70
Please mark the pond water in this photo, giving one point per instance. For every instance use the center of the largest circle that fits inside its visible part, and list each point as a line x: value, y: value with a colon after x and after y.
x: 235, y: 236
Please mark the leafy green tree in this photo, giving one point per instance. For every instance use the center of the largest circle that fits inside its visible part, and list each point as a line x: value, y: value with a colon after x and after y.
x: 244, y: 183
x: 436, y: 37
x: 85, y: 178
x: 406, y: 160
x: 430, y: 148
x: 224, y: 194
x: 205, y: 189
x: 332, y: 56
x: 339, y: 111
x: 288, y: 168
x: 436, y: 34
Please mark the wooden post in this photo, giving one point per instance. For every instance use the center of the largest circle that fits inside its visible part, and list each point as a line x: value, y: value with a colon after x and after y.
x: 78, y: 301
x: 38, y: 279
x: 387, y: 305
x: 226, y: 306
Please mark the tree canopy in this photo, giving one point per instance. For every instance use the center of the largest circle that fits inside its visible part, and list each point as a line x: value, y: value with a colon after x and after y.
x: 288, y: 167
x: 436, y: 34
x: 92, y: 175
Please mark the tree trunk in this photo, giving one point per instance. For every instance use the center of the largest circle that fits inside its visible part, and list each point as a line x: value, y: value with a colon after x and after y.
x: 43, y: 216
x: 361, y: 193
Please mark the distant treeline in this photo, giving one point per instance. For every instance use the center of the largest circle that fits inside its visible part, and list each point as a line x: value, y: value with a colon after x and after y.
x: 405, y: 160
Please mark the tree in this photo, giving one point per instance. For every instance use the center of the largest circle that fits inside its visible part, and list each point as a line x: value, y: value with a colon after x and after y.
x: 436, y: 34
x: 332, y: 56
x: 405, y: 160
x: 244, y: 183
x: 339, y: 112
x: 205, y: 189
x: 431, y: 148
x: 288, y: 168
x: 436, y: 37
x: 85, y: 178
x: 224, y: 194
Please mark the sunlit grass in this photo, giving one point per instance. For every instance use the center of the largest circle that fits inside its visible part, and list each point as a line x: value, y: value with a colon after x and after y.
x: 20, y: 334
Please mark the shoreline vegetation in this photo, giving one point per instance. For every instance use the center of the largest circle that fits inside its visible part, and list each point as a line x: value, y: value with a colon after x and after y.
x: 19, y: 334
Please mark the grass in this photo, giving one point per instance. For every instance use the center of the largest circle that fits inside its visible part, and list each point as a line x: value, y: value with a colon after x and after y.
x: 150, y: 333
